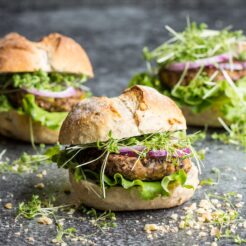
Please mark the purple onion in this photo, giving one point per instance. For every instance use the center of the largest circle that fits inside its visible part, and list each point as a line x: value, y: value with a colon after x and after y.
x: 70, y: 91
x: 133, y: 152
x: 180, y: 66
x: 233, y: 66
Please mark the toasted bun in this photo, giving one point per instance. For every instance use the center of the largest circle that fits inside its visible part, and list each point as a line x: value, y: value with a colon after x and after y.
x: 139, y: 110
x: 17, y: 126
x: 208, y: 117
x: 54, y: 52
x: 120, y: 199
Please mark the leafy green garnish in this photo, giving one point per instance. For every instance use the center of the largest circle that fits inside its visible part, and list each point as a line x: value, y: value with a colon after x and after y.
x: 41, y: 80
x: 34, y: 208
x: 195, y: 42
x: 103, y: 220
x: 148, y: 190
x: 208, y: 181
x: 61, y: 233
x: 169, y: 141
x: 27, y: 163
x: 52, y: 120
x: 211, y: 181
x: 37, y: 208
x: 147, y: 80
x: 5, y: 106
x: 201, y: 93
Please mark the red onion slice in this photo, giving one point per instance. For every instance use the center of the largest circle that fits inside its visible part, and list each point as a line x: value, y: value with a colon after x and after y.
x: 70, y: 91
x: 233, y: 66
x: 157, y: 153
x: 180, y: 66
x: 133, y: 152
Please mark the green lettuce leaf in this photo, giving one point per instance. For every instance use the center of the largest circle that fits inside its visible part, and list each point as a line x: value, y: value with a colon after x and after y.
x: 147, y: 190
x: 146, y: 79
x: 4, y: 104
x: 52, y: 120
x: 150, y: 189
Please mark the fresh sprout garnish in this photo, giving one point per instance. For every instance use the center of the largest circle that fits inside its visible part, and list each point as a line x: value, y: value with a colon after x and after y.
x: 41, y: 80
x: 35, y: 208
x: 223, y: 95
x: 175, y: 144
x: 195, y: 42
x: 61, y: 233
x: 210, y: 181
x: 46, y: 213
x: 104, y: 220
x: 233, y: 86
x: 27, y: 163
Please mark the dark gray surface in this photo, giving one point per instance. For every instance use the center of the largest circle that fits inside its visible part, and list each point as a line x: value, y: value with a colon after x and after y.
x: 114, y: 36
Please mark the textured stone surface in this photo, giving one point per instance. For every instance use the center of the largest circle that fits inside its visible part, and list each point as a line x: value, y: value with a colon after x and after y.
x: 114, y: 36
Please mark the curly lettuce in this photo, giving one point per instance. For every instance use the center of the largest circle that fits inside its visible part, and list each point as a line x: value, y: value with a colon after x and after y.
x: 68, y: 158
x: 52, y: 120
x: 200, y: 94
x: 147, y: 190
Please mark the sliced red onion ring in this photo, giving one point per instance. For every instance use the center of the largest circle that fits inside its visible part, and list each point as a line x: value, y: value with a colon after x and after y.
x: 164, y: 153
x: 157, y: 153
x: 233, y: 66
x: 180, y: 66
x: 132, y: 152
x: 70, y: 91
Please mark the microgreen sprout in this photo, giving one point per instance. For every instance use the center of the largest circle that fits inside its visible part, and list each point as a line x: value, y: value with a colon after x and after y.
x: 27, y: 163
x: 219, y: 92
x: 171, y: 142
x: 103, y: 220
x: 61, y: 233
x: 35, y: 208
x: 195, y: 42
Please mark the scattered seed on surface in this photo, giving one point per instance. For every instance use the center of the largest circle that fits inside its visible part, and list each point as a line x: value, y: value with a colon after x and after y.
x: 8, y: 205
x: 44, y: 220
x: 39, y: 186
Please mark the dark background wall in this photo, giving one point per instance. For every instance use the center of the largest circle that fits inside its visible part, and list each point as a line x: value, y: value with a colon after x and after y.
x: 114, y: 32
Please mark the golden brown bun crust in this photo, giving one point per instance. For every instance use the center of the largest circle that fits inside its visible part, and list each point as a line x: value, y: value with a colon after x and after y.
x: 208, y: 117
x: 54, y: 52
x: 17, y: 126
x: 120, y: 199
x: 139, y: 110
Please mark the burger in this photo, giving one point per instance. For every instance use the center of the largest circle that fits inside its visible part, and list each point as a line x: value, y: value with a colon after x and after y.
x: 204, y: 71
x: 39, y: 84
x: 130, y: 152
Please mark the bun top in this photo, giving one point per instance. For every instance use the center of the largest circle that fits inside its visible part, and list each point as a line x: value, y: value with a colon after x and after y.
x: 54, y: 52
x: 139, y: 110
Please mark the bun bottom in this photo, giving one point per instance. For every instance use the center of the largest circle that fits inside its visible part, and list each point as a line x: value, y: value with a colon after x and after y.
x: 208, y: 117
x: 17, y: 126
x: 120, y: 199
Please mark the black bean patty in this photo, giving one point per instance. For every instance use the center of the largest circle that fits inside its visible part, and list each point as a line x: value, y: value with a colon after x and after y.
x: 49, y: 104
x: 133, y: 168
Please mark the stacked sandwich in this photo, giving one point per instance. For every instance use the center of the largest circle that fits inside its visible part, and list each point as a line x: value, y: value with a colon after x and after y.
x: 129, y: 152
x: 39, y: 84
x: 204, y: 71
